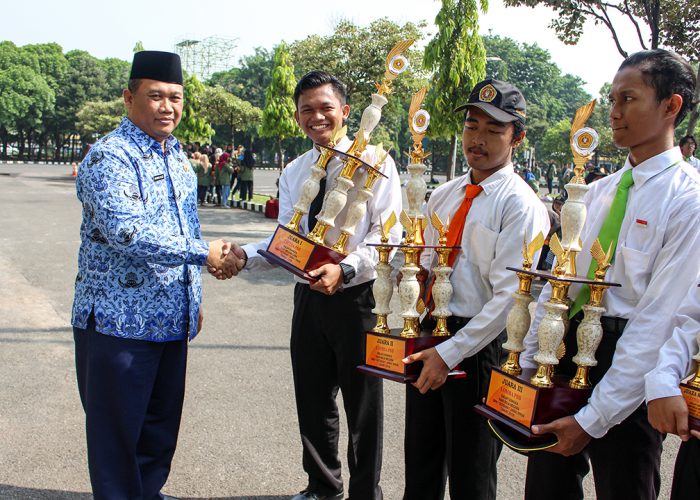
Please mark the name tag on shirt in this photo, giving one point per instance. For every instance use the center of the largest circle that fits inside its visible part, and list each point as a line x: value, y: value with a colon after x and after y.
x: 159, y: 177
x: 641, y: 222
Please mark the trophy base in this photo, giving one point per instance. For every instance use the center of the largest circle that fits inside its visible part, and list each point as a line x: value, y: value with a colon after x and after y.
x: 692, y: 398
x: 513, y: 405
x: 298, y: 254
x: 384, y: 353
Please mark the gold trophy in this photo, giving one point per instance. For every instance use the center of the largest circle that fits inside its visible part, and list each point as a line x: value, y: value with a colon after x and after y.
x: 386, y: 348
x: 691, y: 392
x: 517, y: 399
x: 300, y: 253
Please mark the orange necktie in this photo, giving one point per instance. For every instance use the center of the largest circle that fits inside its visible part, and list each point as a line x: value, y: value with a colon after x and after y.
x: 454, y: 233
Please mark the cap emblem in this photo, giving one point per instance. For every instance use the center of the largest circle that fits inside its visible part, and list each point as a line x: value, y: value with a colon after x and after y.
x: 487, y: 93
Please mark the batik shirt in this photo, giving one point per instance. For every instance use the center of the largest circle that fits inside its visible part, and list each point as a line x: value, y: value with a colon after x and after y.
x: 141, y: 244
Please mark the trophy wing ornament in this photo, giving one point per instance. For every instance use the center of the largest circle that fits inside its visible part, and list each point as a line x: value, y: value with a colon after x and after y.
x: 387, y: 226
x: 529, y: 250
x: 602, y: 259
x: 395, y: 64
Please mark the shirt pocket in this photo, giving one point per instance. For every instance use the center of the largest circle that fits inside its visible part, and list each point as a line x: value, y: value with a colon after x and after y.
x: 637, y: 272
x: 482, y: 246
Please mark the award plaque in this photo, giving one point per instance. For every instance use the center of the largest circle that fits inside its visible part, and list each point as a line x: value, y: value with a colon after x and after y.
x: 691, y: 393
x: 518, y: 399
x: 300, y: 253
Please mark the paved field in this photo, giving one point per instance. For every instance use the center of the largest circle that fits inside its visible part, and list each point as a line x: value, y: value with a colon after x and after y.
x: 239, y: 435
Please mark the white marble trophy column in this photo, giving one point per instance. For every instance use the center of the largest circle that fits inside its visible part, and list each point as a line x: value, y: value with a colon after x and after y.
x: 409, y: 293
x: 383, y: 289
x: 517, y: 326
x: 588, y: 337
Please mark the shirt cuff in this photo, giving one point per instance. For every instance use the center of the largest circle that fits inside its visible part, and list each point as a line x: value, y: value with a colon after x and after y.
x: 199, y: 251
x: 591, y: 422
x: 449, y: 353
x: 661, y: 385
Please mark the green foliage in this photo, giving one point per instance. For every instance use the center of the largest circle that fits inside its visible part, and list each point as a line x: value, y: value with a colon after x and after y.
x: 278, y: 115
x: 116, y: 77
x: 138, y: 47
x: 193, y: 126
x: 457, y: 59
x: 221, y: 107
x: 250, y: 80
x: 95, y: 119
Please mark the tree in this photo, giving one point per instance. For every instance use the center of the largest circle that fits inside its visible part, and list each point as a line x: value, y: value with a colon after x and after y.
x: 138, y: 47
x: 220, y: 107
x: 24, y: 99
x: 657, y: 23
x: 95, y: 119
x: 250, y: 80
x: 457, y: 58
x: 555, y: 143
x: 116, y: 77
x: 278, y: 115
x: 193, y: 126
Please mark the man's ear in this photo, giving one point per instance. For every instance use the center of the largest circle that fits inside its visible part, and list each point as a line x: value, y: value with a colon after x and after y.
x: 675, y: 103
x: 128, y: 98
x: 346, y: 111
x: 517, y: 140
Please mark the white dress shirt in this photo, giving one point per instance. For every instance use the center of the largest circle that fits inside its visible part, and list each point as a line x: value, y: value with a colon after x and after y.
x: 656, y: 260
x: 491, y: 241
x: 694, y: 162
x: 386, y: 199
x: 675, y: 358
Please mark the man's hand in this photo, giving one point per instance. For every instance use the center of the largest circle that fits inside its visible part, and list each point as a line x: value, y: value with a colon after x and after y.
x: 572, y: 438
x: 201, y: 319
x: 695, y: 434
x: 225, y: 259
x: 434, y: 371
x: 329, y: 276
x: 669, y: 415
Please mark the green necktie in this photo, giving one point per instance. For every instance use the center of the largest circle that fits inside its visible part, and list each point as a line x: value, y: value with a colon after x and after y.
x: 609, y: 233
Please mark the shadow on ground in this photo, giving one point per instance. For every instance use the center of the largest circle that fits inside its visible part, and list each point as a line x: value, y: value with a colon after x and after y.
x: 8, y: 492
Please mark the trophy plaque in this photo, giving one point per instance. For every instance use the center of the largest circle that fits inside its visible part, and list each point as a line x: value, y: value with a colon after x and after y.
x: 300, y: 253
x: 691, y: 393
x: 517, y: 399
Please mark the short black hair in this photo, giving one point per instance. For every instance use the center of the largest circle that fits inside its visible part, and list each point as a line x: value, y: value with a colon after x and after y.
x: 316, y: 78
x: 667, y: 73
x: 134, y: 84
x: 685, y: 140
x: 518, y: 128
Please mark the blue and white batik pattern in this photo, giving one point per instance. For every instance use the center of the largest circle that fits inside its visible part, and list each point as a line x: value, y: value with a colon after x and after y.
x: 141, y: 244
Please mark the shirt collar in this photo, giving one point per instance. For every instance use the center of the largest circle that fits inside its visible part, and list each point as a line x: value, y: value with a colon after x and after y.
x: 653, y: 166
x: 144, y: 141
x: 343, y: 145
x: 492, y: 182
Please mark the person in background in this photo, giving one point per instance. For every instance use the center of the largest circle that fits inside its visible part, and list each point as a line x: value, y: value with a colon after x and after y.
x: 246, y: 175
x: 202, y: 168
x: 223, y: 178
x: 688, y: 146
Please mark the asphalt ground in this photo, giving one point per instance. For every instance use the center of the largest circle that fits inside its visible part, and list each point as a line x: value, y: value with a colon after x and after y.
x: 239, y: 437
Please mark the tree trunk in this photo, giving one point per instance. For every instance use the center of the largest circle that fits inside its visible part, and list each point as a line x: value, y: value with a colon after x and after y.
x: 453, y: 158
x: 280, y: 161
x: 693, y: 120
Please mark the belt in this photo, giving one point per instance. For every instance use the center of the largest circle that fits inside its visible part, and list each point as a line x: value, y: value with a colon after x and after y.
x: 613, y: 325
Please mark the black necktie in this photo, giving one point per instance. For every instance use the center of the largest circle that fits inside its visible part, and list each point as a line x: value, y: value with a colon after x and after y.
x: 316, y: 205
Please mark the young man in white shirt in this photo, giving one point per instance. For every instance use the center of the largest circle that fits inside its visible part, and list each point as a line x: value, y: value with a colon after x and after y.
x: 657, y: 257
x: 444, y: 437
x: 668, y: 411
x: 688, y: 147
x: 332, y: 314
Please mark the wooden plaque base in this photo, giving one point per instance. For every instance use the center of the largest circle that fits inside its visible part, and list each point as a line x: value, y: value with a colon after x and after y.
x: 692, y: 399
x: 384, y: 354
x: 513, y: 405
x: 298, y: 254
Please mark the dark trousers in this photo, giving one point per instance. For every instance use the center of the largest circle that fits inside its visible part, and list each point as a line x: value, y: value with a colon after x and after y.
x: 446, y: 438
x: 327, y: 345
x: 201, y: 193
x: 246, y: 190
x: 625, y: 461
x: 132, y: 393
x: 686, y: 475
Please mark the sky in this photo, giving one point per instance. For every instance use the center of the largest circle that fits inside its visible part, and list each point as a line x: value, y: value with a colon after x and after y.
x: 111, y: 29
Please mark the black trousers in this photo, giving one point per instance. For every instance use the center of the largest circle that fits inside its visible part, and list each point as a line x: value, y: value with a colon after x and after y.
x: 446, y: 438
x: 686, y: 475
x: 327, y: 345
x: 132, y: 393
x: 246, y: 190
x: 625, y: 461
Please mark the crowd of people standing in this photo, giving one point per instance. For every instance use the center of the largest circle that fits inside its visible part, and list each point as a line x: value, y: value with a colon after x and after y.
x: 221, y: 173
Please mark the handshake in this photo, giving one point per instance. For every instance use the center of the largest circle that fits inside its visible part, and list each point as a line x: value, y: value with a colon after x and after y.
x: 225, y: 259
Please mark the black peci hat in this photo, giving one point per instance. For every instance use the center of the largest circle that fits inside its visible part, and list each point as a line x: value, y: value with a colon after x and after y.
x: 500, y: 100
x: 156, y: 65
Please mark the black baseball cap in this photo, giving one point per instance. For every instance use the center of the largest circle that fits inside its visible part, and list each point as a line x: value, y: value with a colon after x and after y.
x: 502, y: 101
x: 156, y: 65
